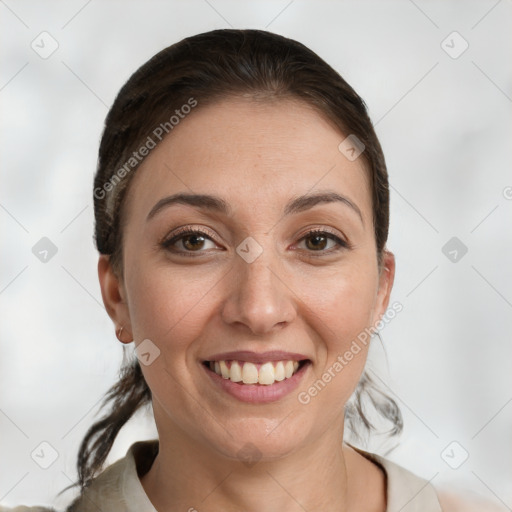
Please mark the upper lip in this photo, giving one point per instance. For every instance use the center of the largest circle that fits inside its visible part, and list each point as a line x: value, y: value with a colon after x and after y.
x: 257, y: 357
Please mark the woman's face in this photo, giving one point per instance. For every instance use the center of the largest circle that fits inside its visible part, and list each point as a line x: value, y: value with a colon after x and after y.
x: 276, y: 272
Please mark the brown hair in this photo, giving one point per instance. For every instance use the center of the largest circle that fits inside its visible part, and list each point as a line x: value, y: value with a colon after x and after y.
x: 206, y: 68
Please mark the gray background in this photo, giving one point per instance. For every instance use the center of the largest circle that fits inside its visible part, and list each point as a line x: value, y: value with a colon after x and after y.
x: 445, y: 127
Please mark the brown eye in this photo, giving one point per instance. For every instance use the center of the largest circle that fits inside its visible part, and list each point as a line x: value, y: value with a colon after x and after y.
x: 189, y: 241
x: 322, y: 242
x: 193, y: 242
x: 316, y: 242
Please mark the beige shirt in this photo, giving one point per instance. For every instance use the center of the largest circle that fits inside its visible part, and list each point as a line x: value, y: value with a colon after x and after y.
x: 118, y: 488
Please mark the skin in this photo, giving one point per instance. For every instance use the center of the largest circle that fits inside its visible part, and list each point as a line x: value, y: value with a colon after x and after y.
x: 256, y: 155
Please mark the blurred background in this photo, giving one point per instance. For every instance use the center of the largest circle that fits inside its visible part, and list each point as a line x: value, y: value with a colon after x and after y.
x: 435, y: 77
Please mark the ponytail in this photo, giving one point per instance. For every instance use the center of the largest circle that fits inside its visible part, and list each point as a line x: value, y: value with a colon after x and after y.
x: 128, y: 395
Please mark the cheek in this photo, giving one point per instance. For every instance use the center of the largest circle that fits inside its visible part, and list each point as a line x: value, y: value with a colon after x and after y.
x: 169, y: 306
x: 342, y: 301
x: 340, y: 313
x: 342, y: 352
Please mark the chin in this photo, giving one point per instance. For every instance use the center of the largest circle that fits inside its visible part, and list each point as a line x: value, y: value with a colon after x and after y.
x: 259, y: 440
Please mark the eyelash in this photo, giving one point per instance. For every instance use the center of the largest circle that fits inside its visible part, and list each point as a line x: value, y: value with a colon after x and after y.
x: 184, y: 232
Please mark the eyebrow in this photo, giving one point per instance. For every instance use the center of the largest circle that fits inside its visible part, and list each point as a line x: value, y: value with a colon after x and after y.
x: 218, y: 205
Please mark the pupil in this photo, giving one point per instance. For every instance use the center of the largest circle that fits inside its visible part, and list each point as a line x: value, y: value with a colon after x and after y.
x: 191, y: 242
x: 318, y: 241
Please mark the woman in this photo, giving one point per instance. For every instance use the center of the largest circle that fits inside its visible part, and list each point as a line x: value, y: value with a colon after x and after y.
x: 242, y: 210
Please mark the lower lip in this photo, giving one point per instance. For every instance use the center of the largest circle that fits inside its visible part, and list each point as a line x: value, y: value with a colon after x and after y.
x: 259, y: 393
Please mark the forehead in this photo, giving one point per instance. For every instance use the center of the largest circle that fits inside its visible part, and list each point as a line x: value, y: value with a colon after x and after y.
x: 252, y: 152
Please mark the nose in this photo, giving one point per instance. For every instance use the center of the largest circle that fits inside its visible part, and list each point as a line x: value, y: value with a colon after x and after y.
x: 258, y: 297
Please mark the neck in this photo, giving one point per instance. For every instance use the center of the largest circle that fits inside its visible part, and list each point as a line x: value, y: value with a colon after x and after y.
x: 188, y: 476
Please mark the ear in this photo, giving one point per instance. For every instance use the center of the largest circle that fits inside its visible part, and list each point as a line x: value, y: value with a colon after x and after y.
x: 386, y: 278
x: 114, y: 295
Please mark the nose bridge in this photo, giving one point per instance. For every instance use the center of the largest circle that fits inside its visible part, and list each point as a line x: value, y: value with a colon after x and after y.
x: 257, y: 280
x: 257, y: 297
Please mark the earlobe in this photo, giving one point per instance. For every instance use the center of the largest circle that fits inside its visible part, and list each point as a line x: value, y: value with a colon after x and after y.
x: 120, y: 336
x: 113, y: 296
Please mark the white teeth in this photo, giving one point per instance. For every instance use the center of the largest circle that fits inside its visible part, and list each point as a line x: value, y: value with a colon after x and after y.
x: 248, y: 373
x: 224, y: 370
x: 266, y: 374
x: 235, y: 372
x: 279, y: 372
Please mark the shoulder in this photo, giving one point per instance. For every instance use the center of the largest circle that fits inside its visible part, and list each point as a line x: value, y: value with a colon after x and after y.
x: 452, y: 501
x: 118, y: 485
x: 405, y: 491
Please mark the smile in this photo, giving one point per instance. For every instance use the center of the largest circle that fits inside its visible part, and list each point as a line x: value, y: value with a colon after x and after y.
x: 246, y: 372
x: 258, y: 381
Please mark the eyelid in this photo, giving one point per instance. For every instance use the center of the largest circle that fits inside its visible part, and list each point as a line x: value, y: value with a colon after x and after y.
x: 311, y: 230
x: 178, y: 233
x: 339, y: 239
x: 192, y: 229
x: 320, y: 229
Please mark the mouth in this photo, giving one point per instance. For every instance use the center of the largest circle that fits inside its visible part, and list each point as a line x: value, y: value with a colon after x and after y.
x: 256, y: 377
x: 260, y: 374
